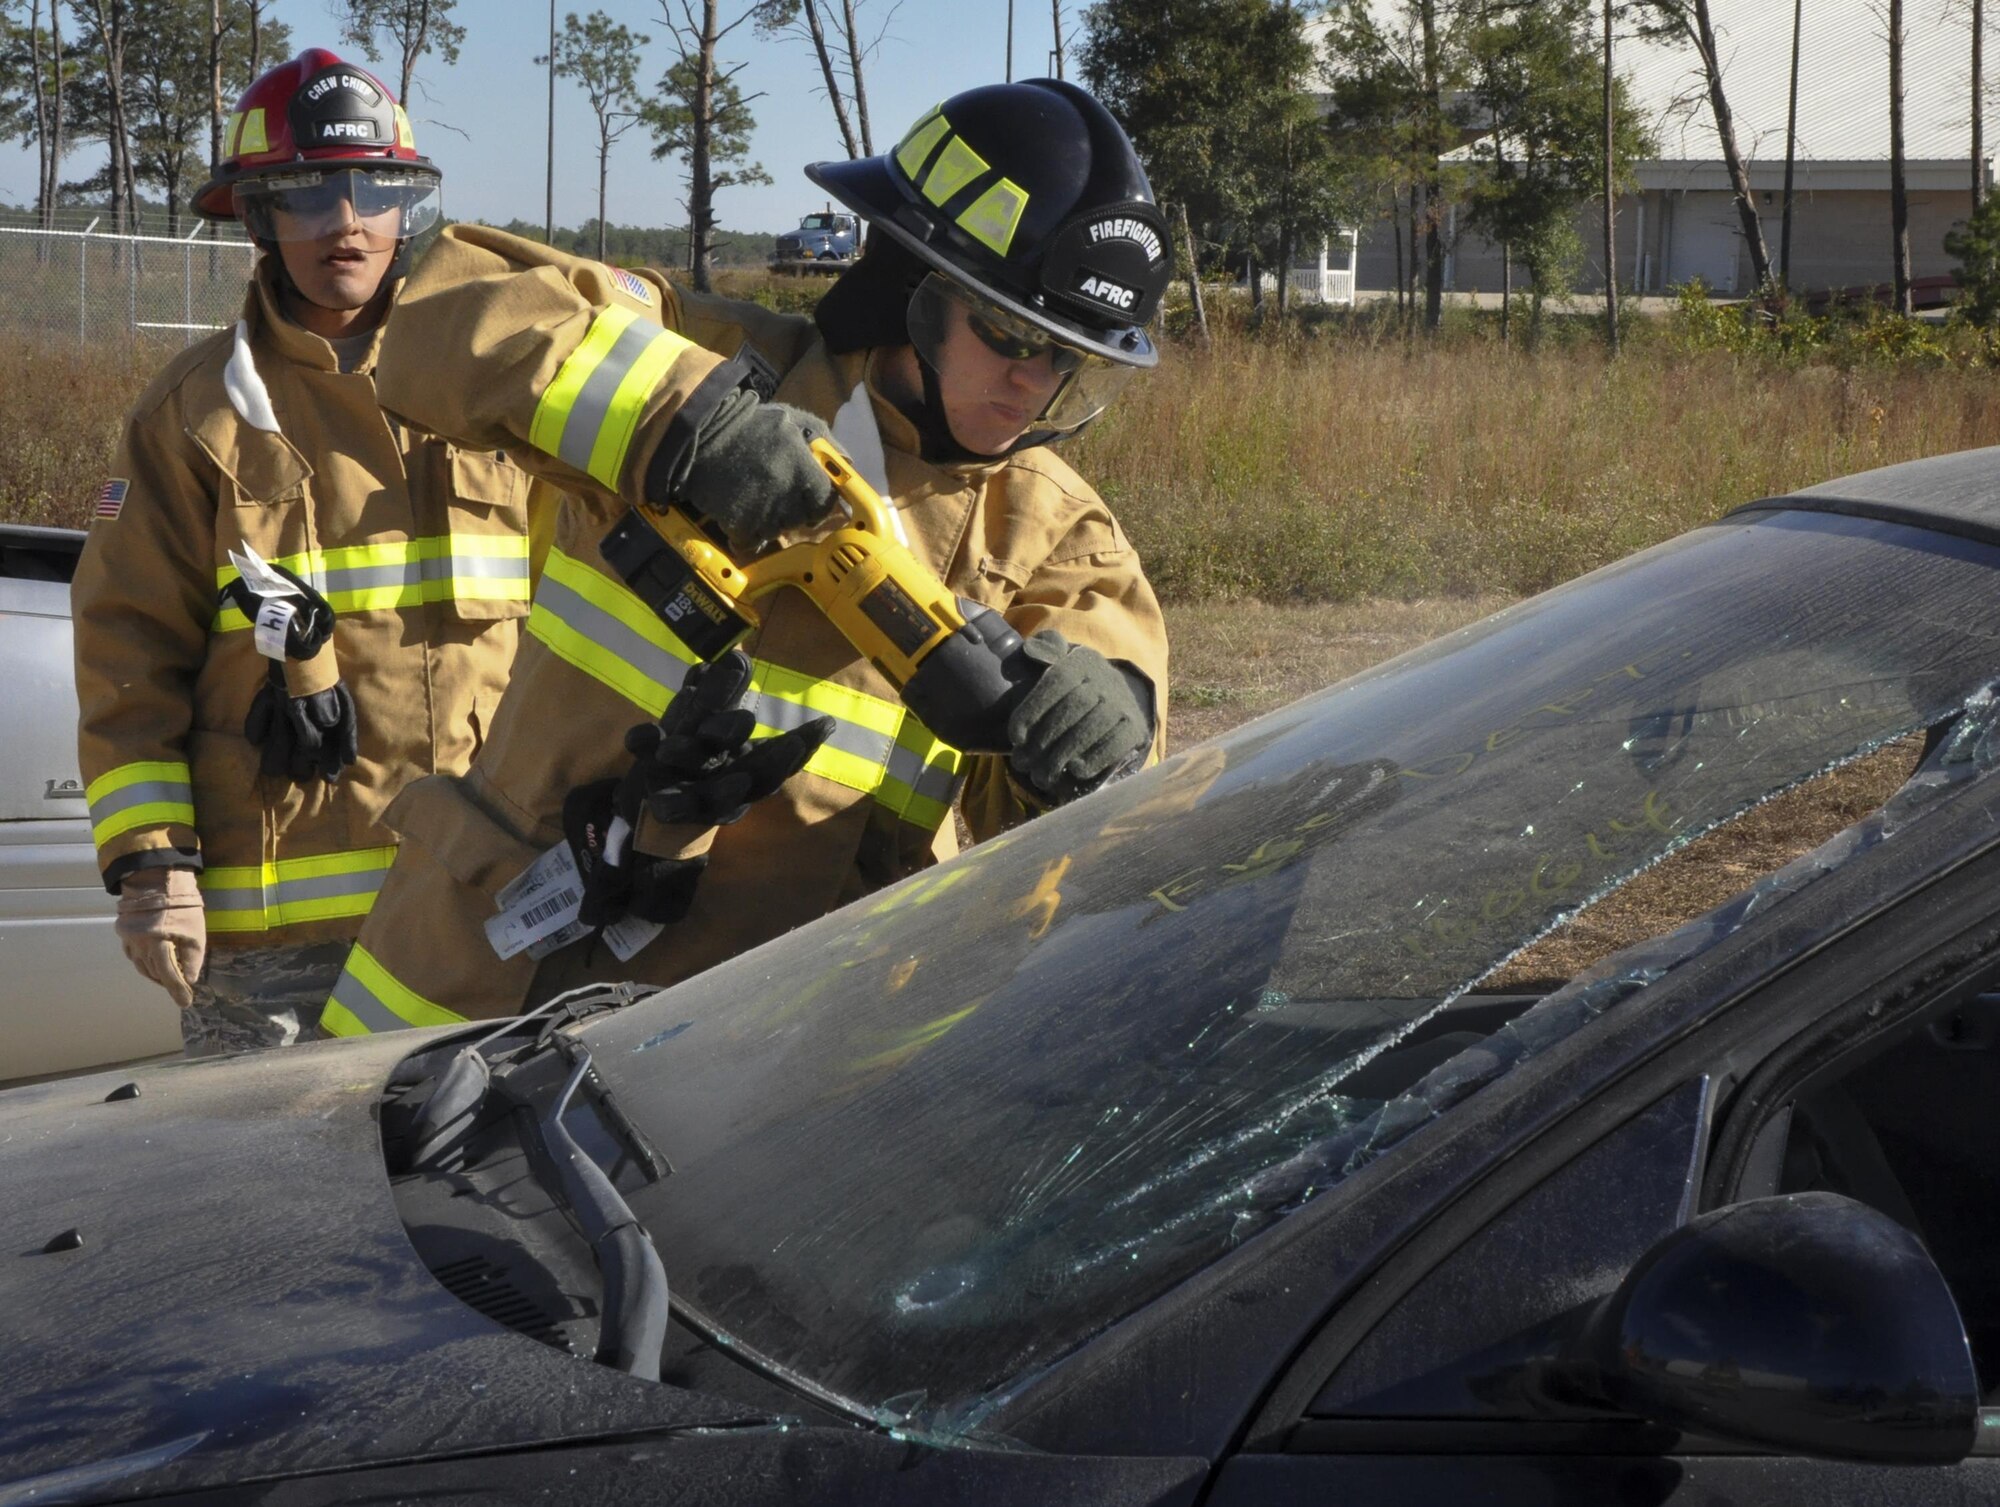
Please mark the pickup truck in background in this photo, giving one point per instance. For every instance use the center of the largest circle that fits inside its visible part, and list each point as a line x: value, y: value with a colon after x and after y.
x: 68, y: 998
x: 828, y: 241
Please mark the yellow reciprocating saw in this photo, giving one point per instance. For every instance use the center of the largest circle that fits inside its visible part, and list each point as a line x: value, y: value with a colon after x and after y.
x: 958, y: 666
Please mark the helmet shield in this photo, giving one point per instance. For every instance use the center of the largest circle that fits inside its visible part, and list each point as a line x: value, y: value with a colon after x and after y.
x: 390, y: 205
x: 943, y: 311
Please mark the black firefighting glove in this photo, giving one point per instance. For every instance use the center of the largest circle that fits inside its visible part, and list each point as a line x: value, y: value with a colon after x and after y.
x: 303, y: 737
x: 311, y: 623
x: 695, y: 767
x: 1080, y: 725
x: 749, y: 472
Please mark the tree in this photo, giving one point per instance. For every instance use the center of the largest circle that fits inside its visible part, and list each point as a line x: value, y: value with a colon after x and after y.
x: 838, y: 52
x: 1537, y: 84
x: 33, y: 73
x: 1688, y: 21
x: 108, y: 23
x: 411, y: 28
x: 701, y: 115
x: 1899, y: 188
x: 167, y: 92
x: 603, y: 57
x: 1609, y: 179
x: 172, y: 85
x: 1217, y: 97
x: 1402, y: 82
x: 1976, y: 244
x: 1293, y: 190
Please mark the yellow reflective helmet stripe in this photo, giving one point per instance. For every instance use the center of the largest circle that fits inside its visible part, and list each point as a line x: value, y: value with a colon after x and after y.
x: 587, y: 416
x: 956, y: 166
x: 250, y: 135
x: 995, y: 215
x: 941, y: 165
x: 877, y: 747
x: 291, y: 891
x: 369, y: 998
x: 150, y: 793
x: 404, y: 136
x: 920, y: 142
x: 404, y: 573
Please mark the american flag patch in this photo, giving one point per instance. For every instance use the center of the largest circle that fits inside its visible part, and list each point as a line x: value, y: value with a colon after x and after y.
x: 111, y: 497
x: 636, y: 286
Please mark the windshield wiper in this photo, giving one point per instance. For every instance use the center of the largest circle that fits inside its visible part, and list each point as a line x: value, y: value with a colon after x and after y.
x: 451, y: 1112
x: 632, y: 1326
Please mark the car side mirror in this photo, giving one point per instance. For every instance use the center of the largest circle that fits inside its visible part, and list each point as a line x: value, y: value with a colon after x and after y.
x: 1804, y: 1322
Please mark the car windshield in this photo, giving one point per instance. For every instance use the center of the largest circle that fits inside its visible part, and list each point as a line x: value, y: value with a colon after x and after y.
x: 931, y: 1143
x: 819, y: 222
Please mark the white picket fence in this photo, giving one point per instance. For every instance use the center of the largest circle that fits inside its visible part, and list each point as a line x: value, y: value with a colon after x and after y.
x: 97, y: 286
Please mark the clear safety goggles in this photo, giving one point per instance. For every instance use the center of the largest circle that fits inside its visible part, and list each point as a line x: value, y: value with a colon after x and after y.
x: 389, y: 206
x: 1088, y: 381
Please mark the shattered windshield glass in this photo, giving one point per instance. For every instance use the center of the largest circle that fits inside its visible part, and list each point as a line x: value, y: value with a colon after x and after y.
x: 931, y: 1143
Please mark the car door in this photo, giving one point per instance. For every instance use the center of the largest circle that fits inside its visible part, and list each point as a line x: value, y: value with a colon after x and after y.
x: 1866, y: 1070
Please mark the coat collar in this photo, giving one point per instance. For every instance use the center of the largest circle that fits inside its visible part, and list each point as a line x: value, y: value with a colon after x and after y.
x: 294, y: 342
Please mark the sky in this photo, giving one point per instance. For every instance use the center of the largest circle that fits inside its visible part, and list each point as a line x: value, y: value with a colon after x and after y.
x: 484, y: 120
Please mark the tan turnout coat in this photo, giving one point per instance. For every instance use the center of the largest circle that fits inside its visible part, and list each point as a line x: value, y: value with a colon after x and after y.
x: 255, y: 437
x: 502, y: 343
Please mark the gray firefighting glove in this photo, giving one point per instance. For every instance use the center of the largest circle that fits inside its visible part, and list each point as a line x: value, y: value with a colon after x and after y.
x: 1081, y: 725
x: 697, y: 767
x: 750, y: 473
x: 303, y: 737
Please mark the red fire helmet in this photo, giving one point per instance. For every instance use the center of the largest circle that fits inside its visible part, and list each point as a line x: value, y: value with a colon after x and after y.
x: 315, y: 114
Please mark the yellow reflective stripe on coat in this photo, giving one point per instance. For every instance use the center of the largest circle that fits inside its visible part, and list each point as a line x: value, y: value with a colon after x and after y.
x: 601, y: 628
x: 404, y: 573
x: 589, y: 413
x: 147, y: 794
x: 369, y: 998
x: 325, y: 886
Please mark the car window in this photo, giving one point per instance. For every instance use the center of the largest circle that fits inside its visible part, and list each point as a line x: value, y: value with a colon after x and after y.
x: 1459, y: 1343
x: 935, y: 1141
x: 1906, y: 1128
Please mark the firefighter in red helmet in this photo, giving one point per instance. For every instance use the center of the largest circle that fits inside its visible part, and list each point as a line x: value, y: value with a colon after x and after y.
x: 289, y: 607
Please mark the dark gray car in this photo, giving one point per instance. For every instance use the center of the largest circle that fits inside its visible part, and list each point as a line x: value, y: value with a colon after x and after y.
x: 1171, y: 1148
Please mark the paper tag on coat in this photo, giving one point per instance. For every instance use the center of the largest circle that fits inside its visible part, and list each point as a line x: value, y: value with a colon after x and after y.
x: 259, y: 576
x: 274, y: 618
x: 628, y: 934
x: 538, y: 902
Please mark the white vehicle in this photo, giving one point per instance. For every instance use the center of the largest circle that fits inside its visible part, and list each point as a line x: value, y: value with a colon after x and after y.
x: 68, y: 998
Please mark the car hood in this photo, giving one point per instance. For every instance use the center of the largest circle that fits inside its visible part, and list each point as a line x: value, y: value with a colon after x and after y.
x: 207, y: 1282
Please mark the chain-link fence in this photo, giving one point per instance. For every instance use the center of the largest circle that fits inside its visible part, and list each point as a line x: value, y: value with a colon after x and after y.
x: 78, y: 282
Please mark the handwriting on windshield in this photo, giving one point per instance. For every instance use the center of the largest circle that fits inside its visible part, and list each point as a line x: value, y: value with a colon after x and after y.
x: 1550, y: 877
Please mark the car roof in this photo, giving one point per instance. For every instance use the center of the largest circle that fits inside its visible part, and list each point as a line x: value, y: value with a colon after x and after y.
x: 1952, y: 494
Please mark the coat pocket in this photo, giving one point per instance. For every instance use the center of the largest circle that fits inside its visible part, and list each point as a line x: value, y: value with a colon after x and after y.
x: 438, y: 814
x: 483, y: 558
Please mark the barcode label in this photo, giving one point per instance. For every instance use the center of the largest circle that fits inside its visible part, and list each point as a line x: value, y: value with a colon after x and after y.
x: 536, y: 914
x: 536, y: 903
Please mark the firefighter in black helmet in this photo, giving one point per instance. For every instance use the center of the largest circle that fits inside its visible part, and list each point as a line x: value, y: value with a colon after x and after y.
x: 1015, y: 259
x: 1025, y: 205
